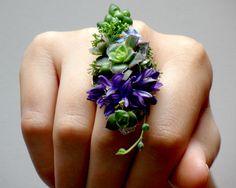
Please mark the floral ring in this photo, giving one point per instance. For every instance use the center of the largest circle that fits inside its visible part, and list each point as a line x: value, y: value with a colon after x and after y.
x: 125, y: 76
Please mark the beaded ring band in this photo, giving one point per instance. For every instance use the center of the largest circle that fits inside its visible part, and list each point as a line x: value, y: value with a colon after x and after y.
x: 124, y: 74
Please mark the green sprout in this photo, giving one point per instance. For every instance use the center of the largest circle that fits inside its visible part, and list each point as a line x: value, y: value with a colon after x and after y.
x: 139, y: 143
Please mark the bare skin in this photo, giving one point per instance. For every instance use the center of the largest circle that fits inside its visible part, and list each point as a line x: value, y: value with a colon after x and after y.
x: 65, y: 134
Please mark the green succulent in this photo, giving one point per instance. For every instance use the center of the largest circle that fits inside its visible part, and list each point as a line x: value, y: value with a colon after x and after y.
x: 114, y: 23
x: 121, y: 119
x: 120, y: 53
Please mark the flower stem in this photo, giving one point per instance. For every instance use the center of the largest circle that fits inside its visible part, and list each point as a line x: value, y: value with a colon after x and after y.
x: 123, y: 151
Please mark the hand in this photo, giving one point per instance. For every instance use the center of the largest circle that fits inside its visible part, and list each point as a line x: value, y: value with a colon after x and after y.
x: 66, y: 135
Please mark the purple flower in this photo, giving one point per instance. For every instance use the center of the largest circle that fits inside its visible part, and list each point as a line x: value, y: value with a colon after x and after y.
x: 133, y: 93
x: 125, y: 34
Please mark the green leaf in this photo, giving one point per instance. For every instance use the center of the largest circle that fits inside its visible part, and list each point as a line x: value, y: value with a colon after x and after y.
x: 143, y: 48
x: 102, y: 24
x: 127, y: 74
x: 131, y: 41
x: 99, y: 49
x: 118, y: 68
x: 103, y: 60
x: 130, y: 55
x: 95, y: 51
x: 105, y: 68
x: 137, y: 59
x: 145, y: 62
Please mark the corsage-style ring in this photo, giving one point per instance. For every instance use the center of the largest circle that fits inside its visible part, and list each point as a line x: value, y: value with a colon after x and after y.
x: 125, y: 77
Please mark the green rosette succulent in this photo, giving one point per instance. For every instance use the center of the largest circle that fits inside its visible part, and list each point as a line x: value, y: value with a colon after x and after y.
x: 120, y: 53
x: 121, y: 119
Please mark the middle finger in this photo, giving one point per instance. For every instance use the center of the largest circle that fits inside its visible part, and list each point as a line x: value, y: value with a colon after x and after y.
x: 171, y: 122
x: 74, y: 116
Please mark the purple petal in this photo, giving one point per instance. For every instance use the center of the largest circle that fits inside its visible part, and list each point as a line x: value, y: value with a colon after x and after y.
x: 132, y: 31
x: 104, y: 81
x: 152, y: 100
x: 157, y: 86
x: 138, y: 79
x: 101, y: 102
x: 126, y: 102
x: 117, y: 80
x: 151, y: 73
x: 140, y: 99
x: 114, y: 97
x: 95, y: 92
x: 126, y: 88
x: 109, y: 109
x: 110, y: 92
x: 144, y: 94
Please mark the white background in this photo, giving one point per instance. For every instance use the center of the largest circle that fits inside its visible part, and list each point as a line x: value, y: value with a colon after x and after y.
x: 211, y: 22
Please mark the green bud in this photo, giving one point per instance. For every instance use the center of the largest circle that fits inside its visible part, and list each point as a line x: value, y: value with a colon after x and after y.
x: 132, y: 119
x: 113, y: 8
x: 108, y: 18
x: 118, y: 14
x: 128, y: 20
x: 122, y: 118
x: 111, y: 123
x: 121, y: 151
x: 102, y: 24
x: 126, y: 13
x: 145, y: 127
x: 114, y: 20
x: 140, y: 145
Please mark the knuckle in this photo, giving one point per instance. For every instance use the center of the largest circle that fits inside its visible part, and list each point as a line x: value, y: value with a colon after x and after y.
x: 39, y: 50
x: 70, y: 129
x: 167, y: 139
x: 167, y: 142
x: 35, y: 124
x: 44, y: 40
x: 41, y: 44
x: 197, y: 53
x: 194, y: 57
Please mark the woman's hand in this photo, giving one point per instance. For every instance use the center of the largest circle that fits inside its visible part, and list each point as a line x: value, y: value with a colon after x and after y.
x: 66, y: 135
